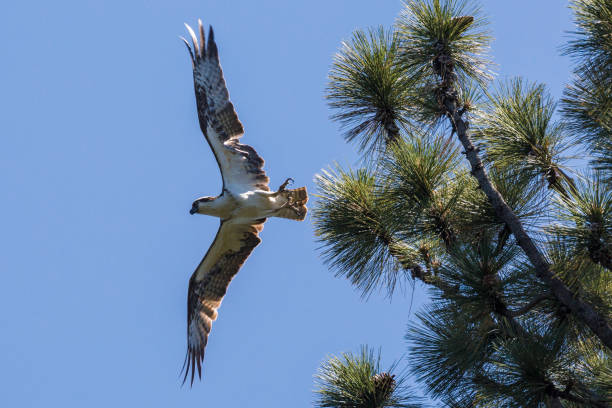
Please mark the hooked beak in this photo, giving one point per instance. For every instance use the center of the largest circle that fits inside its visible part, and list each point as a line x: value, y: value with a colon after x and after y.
x: 193, y: 210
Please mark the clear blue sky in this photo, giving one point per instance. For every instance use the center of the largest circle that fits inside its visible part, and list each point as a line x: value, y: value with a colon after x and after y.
x: 101, y: 157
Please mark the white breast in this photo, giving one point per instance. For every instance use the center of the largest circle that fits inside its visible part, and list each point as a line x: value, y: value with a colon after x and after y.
x: 254, y: 205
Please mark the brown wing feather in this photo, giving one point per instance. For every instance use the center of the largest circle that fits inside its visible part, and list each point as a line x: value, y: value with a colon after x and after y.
x: 232, y: 246
x: 218, y: 118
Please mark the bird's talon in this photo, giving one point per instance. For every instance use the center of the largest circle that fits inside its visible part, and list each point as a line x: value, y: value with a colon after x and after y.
x: 282, y: 186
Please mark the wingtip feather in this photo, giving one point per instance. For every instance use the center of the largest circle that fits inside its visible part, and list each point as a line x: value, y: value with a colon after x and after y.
x: 185, y: 365
x: 212, y: 46
x: 202, y: 37
x: 188, y: 49
x: 193, y: 360
x: 194, y: 39
x: 199, y: 369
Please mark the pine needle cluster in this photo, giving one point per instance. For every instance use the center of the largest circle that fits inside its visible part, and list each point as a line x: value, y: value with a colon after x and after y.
x: 357, y: 381
x: 587, y: 102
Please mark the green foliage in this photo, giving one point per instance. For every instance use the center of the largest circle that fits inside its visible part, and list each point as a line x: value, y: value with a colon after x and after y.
x: 592, y: 43
x: 419, y: 191
x: 465, y: 348
x: 350, y: 224
x: 495, y: 334
x: 479, y: 272
x: 587, y: 106
x: 419, y: 167
x: 597, y: 368
x: 428, y: 110
x: 476, y: 214
x: 530, y: 371
x: 448, y: 350
x: 583, y: 276
x: 368, y: 91
x: 586, y: 220
x: 353, y: 381
x: 518, y: 132
x: 587, y: 103
x: 440, y: 35
x: 603, y: 158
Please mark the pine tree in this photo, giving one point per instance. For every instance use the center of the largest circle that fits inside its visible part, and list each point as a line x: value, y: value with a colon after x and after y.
x: 468, y: 188
x: 353, y: 381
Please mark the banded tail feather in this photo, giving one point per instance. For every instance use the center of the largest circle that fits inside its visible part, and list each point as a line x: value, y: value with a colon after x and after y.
x: 298, y: 198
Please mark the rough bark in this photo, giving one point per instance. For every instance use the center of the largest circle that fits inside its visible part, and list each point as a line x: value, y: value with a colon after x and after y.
x: 581, y: 309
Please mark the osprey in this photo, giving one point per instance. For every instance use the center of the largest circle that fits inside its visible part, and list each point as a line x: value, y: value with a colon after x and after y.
x: 243, y: 205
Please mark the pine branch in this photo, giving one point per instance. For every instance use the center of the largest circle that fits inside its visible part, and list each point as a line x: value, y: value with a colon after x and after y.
x: 502, y: 238
x: 587, y: 102
x: 499, y: 304
x: 435, y: 47
x: 529, y: 306
x: 594, y: 320
x: 530, y: 358
x: 586, y: 215
x: 518, y: 132
x: 557, y: 395
x: 597, y: 323
x: 368, y: 91
x: 419, y: 175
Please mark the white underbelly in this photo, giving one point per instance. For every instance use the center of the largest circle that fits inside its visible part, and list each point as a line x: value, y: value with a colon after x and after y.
x: 254, y: 205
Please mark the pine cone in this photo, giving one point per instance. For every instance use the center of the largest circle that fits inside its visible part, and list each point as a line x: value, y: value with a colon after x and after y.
x: 384, y: 384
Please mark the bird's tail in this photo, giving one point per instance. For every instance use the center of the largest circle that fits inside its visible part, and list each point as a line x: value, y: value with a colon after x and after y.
x: 296, y: 207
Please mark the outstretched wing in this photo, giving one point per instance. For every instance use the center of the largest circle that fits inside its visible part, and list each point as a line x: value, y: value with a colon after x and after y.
x: 241, y: 167
x: 233, y: 244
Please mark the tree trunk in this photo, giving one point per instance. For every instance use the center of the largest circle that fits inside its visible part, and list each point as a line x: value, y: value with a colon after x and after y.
x: 582, y: 310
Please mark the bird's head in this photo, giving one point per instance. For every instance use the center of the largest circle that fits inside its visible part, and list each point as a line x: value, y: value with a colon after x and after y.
x: 199, y: 203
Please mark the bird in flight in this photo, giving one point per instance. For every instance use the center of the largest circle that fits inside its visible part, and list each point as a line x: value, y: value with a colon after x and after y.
x: 243, y: 205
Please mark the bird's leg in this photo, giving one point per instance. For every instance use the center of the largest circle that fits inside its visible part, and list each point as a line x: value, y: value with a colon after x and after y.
x: 282, y: 186
x: 290, y: 202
